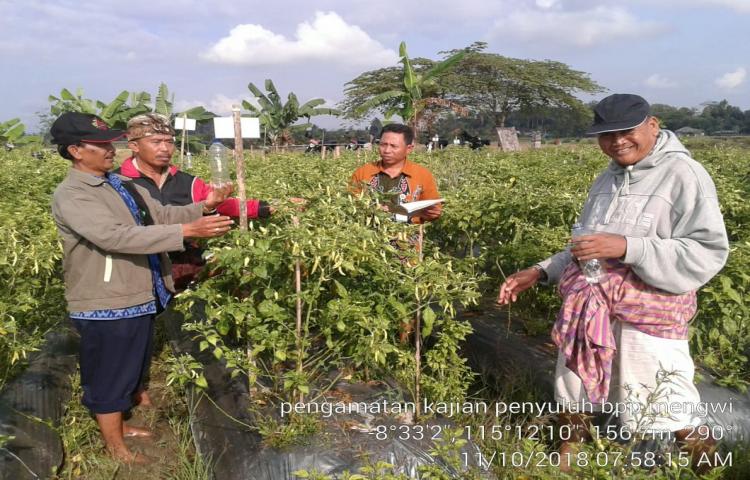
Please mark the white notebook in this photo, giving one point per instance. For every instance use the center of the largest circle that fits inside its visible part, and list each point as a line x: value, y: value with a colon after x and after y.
x: 411, y: 207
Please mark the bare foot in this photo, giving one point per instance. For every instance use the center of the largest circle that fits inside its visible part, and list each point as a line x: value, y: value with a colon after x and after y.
x: 129, y: 431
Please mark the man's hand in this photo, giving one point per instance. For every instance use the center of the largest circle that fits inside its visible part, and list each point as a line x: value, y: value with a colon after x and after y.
x: 207, y: 227
x: 217, y: 195
x: 599, y: 245
x: 517, y: 283
x: 431, y: 213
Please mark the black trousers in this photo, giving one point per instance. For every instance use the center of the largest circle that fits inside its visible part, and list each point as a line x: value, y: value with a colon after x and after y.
x: 115, y: 356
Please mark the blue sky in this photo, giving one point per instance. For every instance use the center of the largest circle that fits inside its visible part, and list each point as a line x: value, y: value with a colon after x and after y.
x: 682, y: 52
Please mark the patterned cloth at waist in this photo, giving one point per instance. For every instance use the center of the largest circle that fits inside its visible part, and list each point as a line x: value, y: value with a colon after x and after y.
x: 583, y: 329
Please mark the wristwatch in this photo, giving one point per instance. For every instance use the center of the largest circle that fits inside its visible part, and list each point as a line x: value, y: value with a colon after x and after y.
x: 542, y: 273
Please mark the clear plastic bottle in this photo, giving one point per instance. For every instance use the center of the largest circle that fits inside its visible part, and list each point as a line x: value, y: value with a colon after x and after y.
x: 218, y: 159
x: 188, y: 160
x: 593, y: 270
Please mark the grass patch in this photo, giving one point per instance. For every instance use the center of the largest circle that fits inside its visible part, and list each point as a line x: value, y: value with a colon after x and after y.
x: 172, y: 448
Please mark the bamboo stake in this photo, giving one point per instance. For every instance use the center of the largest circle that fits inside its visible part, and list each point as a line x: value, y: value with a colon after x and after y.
x: 298, y: 290
x: 418, y: 337
x: 240, y: 162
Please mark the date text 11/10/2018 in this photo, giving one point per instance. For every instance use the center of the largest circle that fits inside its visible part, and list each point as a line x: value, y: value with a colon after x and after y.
x: 585, y: 459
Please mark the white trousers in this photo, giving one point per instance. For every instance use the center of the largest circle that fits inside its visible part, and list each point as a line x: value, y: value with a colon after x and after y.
x: 639, y: 359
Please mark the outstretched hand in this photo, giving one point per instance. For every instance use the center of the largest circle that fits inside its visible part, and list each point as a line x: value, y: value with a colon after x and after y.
x: 517, y: 283
x: 207, y: 227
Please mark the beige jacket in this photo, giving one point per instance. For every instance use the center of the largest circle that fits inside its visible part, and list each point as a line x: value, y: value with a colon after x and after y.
x: 105, y: 253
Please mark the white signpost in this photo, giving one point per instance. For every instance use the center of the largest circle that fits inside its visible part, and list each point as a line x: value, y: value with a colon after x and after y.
x: 224, y: 127
x: 182, y: 123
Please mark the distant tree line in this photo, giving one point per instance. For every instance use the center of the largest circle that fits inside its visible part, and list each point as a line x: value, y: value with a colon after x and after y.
x: 714, y: 118
x: 468, y: 92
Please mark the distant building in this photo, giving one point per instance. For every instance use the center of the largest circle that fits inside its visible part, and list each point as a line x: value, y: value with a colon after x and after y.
x: 689, y: 132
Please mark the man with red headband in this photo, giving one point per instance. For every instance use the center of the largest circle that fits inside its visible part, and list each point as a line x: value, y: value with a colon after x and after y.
x: 151, y: 139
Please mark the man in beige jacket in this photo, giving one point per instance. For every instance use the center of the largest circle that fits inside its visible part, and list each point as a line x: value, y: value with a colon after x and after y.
x: 117, y: 274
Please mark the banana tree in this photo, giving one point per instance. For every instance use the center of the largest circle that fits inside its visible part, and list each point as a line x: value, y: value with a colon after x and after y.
x: 278, y: 118
x: 12, y: 133
x: 200, y: 115
x: 11, y: 130
x: 163, y: 104
x: 124, y: 107
x: 69, y: 102
x: 406, y: 99
x: 116, y: 113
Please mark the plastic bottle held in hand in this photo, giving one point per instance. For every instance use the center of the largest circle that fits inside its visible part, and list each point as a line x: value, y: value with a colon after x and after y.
x: 218, y: 159
x: 593, y: 270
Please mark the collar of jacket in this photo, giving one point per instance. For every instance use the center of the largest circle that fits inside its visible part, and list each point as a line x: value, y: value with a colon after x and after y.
x: 128, y: 169
x: 87, y: 178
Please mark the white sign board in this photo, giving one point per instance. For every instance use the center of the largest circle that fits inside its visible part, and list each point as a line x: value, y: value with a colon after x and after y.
x: 224, y: 127
x: 181, y: 123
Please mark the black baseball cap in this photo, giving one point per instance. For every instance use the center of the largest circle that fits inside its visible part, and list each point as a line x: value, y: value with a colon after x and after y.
x: 72, y: 128
x: 621, y: 111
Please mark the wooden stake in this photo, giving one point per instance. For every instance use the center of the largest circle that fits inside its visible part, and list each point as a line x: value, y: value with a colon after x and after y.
x: 240, y: 162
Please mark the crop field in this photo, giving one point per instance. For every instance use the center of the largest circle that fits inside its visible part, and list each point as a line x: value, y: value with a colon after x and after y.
x: 332, y: 290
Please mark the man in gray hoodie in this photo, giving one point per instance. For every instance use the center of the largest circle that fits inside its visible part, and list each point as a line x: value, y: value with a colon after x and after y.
x: 655, y: 224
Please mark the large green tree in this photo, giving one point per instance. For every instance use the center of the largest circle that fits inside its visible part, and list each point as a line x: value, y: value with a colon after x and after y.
x: 277, y: 117
x: 412, y: 96
x: 501, y: 86
x: 485, y: 83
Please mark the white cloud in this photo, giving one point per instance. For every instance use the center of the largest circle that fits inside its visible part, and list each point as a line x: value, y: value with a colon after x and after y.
x: 327, y: 39
x: 582, y: 28
x: 660, y: 81
x: 219, y: 104
x: 732, y: 80
x: 56, y: 30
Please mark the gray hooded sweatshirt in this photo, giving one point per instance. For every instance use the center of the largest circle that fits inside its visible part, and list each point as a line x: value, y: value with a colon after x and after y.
x: 667, y: 209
